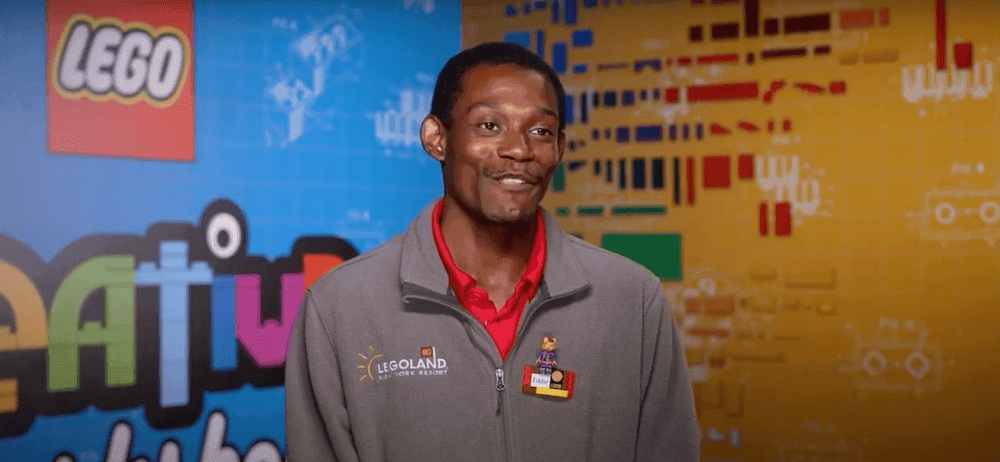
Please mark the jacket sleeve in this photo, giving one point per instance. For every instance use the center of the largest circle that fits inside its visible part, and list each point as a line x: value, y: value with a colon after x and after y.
x: 668, y: 429
x: 316, y: 430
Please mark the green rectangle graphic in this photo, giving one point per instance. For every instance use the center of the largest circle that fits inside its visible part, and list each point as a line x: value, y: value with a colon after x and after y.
x: 659, y: 253
x: 590, y: 211
x: 638, y: 210
x: 559, y: 178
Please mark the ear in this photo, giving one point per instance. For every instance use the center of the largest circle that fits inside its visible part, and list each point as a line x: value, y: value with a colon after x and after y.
x: 433, y: 136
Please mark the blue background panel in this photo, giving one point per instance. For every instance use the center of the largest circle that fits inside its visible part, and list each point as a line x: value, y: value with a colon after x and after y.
x: 306, y: 140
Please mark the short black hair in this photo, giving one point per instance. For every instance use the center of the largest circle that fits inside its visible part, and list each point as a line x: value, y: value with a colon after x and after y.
x: 493, y: 53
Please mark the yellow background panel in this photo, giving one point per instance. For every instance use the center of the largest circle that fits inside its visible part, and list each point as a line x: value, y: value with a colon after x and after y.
x: 871, y: 332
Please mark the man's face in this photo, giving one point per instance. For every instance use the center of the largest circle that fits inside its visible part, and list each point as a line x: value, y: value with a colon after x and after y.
x: 504, y: 143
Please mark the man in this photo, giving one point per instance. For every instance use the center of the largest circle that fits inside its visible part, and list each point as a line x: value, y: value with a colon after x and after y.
x: 427, y: 348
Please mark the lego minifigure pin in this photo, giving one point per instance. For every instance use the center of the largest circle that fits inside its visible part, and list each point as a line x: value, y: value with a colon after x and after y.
x: 546, y: 379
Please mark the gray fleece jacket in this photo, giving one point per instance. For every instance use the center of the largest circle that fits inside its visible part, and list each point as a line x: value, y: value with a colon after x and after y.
x: 384, y: 364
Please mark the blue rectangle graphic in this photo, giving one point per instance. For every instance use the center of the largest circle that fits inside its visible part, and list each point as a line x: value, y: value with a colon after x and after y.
x: 583, y: 38
x: 522, y: 38
x: 559, y: 57
x: 570, y: 12
x: 628, y: 98
x: 649, y: 133
x: 540, y: 43
x: 568, y: 109
x: 622, y: 134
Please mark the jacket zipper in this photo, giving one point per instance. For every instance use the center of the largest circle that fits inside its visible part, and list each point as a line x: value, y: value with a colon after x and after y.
x: 501, y: 386
x: 504, y: 427
x: 504, y: 430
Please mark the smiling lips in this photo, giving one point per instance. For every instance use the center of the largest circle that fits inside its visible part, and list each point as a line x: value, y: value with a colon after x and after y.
x: 516, y: 181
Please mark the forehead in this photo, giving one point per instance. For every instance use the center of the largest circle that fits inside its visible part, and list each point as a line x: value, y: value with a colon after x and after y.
x: 503, y: 82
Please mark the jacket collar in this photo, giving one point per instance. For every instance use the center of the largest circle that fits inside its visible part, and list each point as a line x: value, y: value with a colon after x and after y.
x: 421, y: 265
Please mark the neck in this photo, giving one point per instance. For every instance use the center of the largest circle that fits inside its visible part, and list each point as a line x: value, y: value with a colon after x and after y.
x: 490, y: 252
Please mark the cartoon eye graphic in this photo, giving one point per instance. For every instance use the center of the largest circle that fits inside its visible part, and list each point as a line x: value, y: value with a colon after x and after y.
x: 223, y: 235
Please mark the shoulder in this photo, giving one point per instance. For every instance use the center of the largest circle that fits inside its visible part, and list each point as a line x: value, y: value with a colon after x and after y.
x: 605, y: 268
x: 608, y: 264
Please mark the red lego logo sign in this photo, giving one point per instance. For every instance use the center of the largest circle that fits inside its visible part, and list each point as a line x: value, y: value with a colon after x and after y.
x: 120, y: 80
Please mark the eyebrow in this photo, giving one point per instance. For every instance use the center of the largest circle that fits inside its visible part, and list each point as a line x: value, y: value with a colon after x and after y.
x: 545, y: 110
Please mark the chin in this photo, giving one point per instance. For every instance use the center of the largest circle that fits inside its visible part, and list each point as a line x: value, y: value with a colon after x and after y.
x: 510, y: 215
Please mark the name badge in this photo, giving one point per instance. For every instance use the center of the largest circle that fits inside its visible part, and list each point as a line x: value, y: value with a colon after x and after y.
x: 544, y: 378
x: 539, y: 380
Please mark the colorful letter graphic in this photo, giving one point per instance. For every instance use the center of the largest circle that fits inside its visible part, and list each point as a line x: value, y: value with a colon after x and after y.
x: 266, y: 342
x: 223, y: 323
x: 174, y: 277
x: 29, y: 311
x: 114, y: 275
x: 29, y: 319
x: 115, y: 296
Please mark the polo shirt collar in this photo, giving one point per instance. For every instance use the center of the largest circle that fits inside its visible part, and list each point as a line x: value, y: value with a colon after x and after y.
x: 463, y: 282
x: 421, y: 265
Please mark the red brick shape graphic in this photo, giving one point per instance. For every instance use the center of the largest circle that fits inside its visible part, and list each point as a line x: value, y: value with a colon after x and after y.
x: 716, y: 171
x: 140, y: 103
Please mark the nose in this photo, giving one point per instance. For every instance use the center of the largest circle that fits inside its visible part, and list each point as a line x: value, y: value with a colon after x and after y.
x: 515, y: 146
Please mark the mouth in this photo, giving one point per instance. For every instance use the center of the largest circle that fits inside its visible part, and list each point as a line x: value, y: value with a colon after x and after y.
x: 515, y: 178
x: 516, y: 181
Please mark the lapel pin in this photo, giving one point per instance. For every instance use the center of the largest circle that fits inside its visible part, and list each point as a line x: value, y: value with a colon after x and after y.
x: 544, y: 378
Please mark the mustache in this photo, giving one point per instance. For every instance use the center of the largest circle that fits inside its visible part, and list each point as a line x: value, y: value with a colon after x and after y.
x: 532, y: 176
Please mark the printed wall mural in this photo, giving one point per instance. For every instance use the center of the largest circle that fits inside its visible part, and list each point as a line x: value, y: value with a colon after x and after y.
x: 816, y: 184
x: 174, y: 175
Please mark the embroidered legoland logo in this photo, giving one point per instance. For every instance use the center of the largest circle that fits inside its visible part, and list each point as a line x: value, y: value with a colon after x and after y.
x: 102, y: 59
x: 120, y: 79
x: 376, y: 366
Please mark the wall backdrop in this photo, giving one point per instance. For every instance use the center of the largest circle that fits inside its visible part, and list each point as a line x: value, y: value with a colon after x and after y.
x: 172, y: 175
x: 816, y: 183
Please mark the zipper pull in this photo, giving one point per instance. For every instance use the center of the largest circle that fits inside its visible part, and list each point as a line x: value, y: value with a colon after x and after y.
x: 500, y: 388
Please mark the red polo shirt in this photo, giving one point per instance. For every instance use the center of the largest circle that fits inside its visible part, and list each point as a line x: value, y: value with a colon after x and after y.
x: 502, y: 324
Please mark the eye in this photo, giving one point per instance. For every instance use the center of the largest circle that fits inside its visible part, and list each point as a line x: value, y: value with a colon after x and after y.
x: 542, y: 131
x: 489, y: 126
